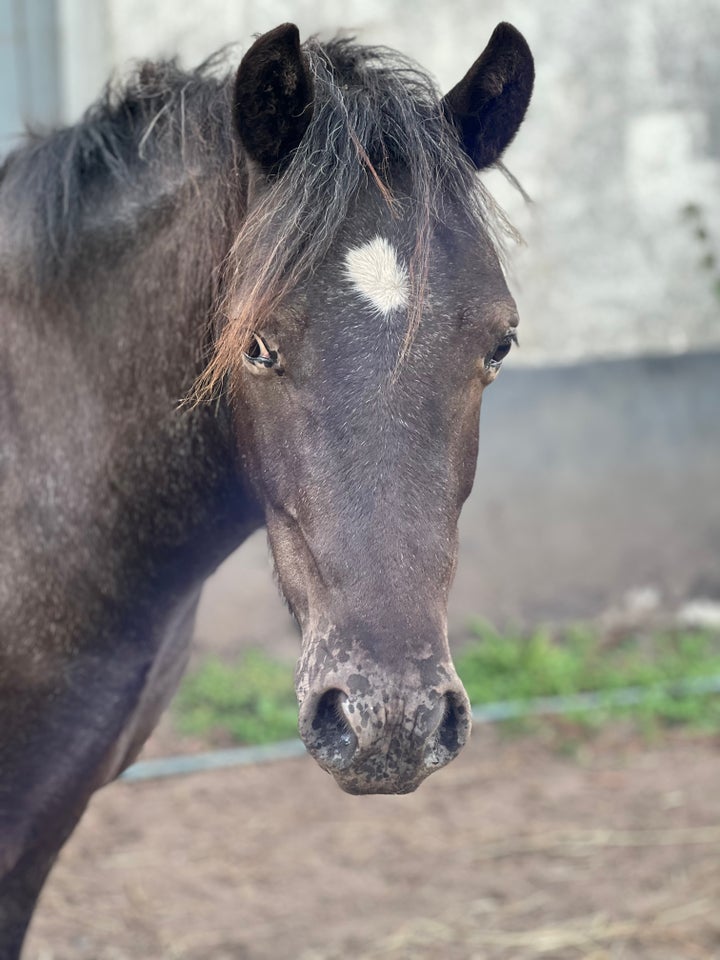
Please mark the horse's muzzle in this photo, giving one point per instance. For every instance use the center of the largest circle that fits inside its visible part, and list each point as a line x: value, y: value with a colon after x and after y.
x: 384, y: 741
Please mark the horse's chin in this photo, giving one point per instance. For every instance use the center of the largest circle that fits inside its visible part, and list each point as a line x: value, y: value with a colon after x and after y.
x: 359, y: 787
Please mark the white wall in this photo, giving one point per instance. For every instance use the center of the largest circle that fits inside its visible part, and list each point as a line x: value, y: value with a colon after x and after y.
x: 623, y: 134
x: 87, y: 52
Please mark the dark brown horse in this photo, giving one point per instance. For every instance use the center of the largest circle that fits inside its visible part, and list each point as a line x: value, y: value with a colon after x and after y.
x: 304, y: 254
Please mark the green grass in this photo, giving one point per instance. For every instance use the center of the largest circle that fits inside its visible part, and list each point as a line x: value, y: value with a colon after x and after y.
x: 496, y: 667
x: 252, y: 701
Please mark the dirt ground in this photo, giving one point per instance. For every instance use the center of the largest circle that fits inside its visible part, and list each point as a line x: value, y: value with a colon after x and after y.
x: 515, y: 851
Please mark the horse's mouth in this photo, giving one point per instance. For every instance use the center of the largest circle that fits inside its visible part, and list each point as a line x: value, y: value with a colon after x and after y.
x: 358, y: 786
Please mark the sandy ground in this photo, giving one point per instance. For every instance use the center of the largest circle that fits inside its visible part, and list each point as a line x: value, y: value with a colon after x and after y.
x: 518, y: 850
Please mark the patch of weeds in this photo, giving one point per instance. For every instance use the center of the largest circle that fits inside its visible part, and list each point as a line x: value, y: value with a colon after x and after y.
x: 580, y: 660
x: 251, y: 701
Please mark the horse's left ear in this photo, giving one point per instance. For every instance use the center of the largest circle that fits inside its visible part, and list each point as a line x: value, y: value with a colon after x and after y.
x: 488, y: 105
x: 273, y: 98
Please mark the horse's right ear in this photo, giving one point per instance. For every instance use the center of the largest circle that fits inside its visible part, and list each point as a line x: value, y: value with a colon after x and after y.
x: 273, y: 98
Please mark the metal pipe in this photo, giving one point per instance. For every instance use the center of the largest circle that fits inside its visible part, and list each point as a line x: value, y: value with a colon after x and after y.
x: 486, y: 713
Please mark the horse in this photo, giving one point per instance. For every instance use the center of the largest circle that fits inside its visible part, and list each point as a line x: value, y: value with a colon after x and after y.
x: 232, y: 299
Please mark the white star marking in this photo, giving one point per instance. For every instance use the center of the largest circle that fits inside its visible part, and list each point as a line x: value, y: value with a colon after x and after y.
x: 377, y: 274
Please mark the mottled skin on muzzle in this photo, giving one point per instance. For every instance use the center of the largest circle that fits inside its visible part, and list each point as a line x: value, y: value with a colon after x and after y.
x: 375, y: 730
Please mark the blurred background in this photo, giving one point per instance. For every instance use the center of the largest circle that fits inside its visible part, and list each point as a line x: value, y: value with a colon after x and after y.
x: 598, y: 481
x: 597, y: 498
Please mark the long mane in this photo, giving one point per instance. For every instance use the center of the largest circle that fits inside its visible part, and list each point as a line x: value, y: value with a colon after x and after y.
x: 120, y: 168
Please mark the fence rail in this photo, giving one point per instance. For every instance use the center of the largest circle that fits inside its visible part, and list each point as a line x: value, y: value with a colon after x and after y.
x: 161, y: 767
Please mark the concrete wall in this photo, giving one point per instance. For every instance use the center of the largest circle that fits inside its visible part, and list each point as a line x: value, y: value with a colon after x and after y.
x: 29, y: 92
x: 622, y: 138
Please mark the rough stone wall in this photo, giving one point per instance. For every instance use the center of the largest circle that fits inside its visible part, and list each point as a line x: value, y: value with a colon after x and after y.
x: 620, y: 151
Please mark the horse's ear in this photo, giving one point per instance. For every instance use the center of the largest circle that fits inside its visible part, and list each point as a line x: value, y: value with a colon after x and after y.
x: 273, y: 97
x: 488, y: 105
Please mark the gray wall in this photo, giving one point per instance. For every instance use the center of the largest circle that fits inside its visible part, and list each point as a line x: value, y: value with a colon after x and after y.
x: 55, y: 56
x: 28, y: 67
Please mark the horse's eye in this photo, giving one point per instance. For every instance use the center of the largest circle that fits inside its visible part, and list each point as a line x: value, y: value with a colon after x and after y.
x: 501, y: 351
x: 259, y: 353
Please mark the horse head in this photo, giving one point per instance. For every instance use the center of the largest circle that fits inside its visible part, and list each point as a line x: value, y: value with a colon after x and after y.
x: 366, y: 312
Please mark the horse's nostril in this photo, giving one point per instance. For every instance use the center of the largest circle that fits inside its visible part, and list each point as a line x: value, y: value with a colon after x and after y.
x: 380, y: 743
x: 449, y: 729
x: 331, y: 738
x: 451, y: 733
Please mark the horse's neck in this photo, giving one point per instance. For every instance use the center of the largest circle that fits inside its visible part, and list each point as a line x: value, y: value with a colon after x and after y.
x: 104, y: 362
x: 185, y: 496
